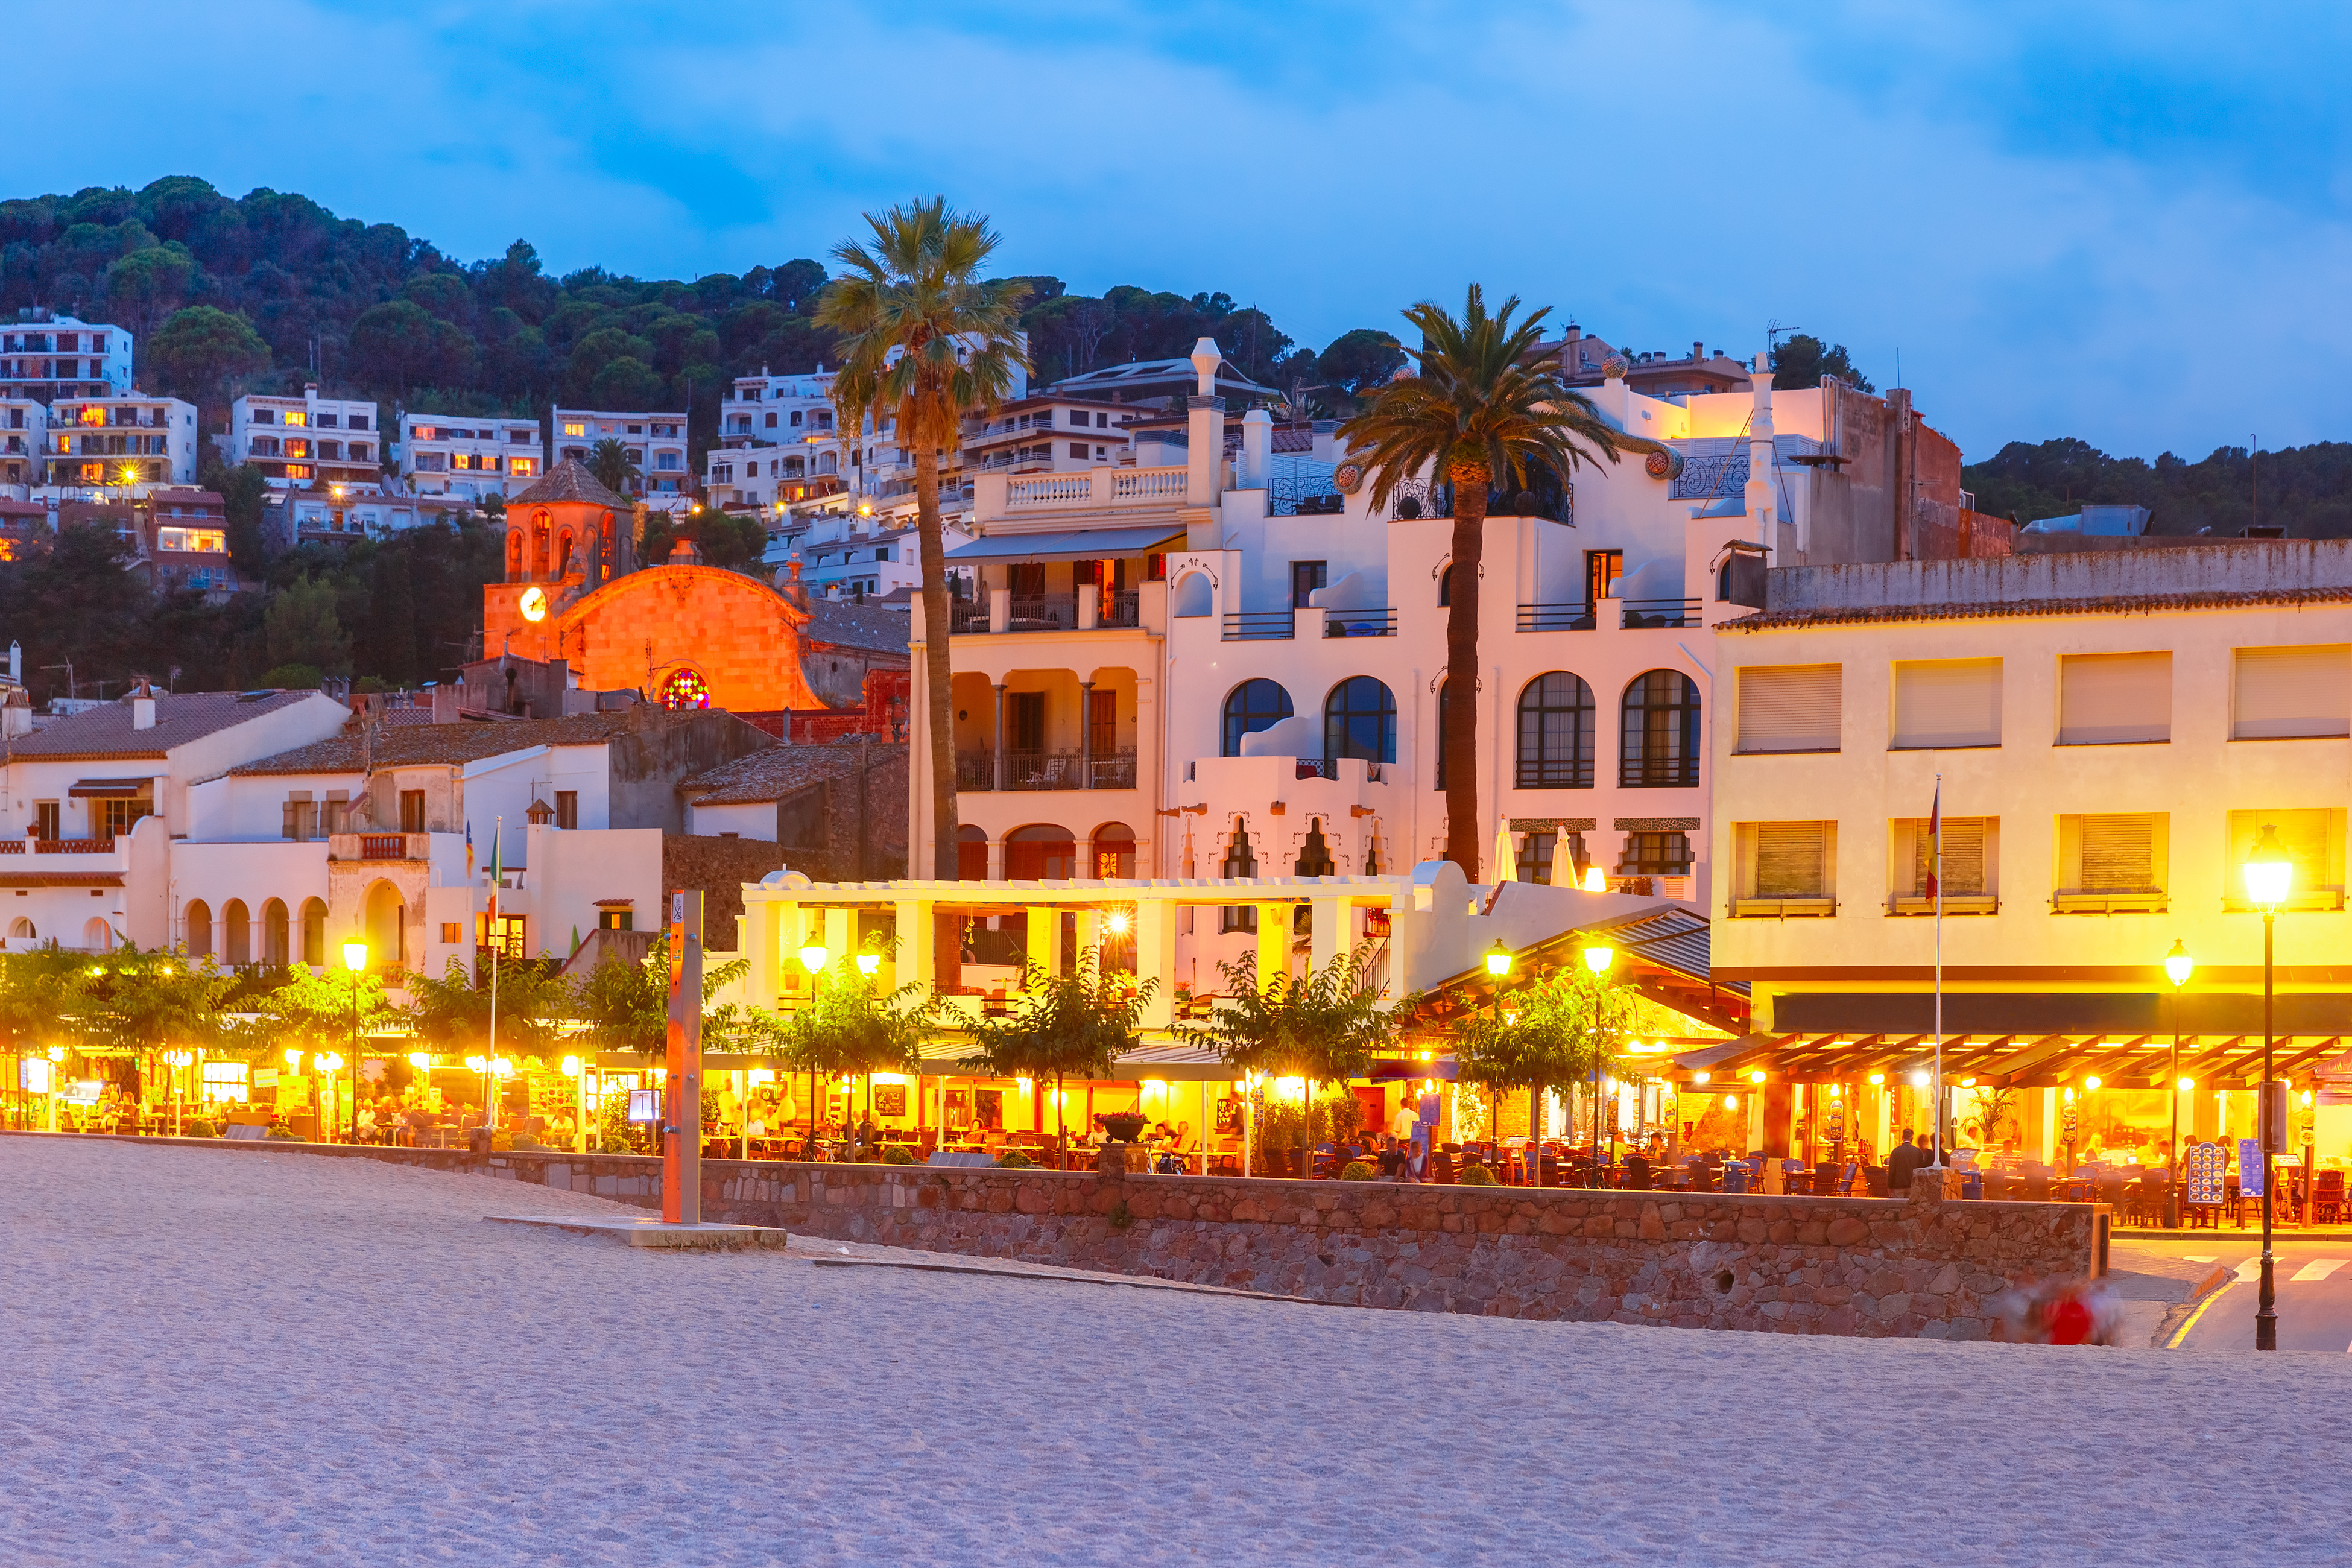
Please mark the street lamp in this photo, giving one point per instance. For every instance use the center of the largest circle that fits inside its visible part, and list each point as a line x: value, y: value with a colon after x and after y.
x: 1498, y: 966
x: 869, y: 965
x: 812, y: 957
x: 1598, y: 957
x: 2178, y: 967
x: 355, y: 962
x: 2269, y: 876
x: 573, y: 1069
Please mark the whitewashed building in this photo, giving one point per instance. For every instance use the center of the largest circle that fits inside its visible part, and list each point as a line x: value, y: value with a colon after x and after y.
x: 305, y: 440
x: 468, y: 455
x: 45, y: 357
x: 123, y: 441
x: 655, y: 442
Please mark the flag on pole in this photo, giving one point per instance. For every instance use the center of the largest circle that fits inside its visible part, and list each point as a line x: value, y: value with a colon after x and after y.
x: 470, y: 852
x: 498, y: 870
x: 1935, y: 844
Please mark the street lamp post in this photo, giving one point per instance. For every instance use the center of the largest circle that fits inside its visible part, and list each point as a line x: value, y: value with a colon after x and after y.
x: 355, y: 963
x: 576, y: 1070
x: 2178, y: 967
x: 812, y: 957
x: 1498, y: 967
x: 2269, y: 876
x: 1598, y: 957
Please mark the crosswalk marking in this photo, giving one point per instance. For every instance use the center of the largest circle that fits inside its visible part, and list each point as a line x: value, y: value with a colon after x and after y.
x: 2319, y: 1267
x: 2198, y: 1257
x: 2252, y: 1269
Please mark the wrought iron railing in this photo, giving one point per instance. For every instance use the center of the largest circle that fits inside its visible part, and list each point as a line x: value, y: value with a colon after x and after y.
x: 1041, y: 770
x: 1111, y: 770
x: 967, y: 616
x: 1555, y: 773
x: 1304, y: 496
x: 1260, y: 626
x: 1703, y: 478
x: 1359, y: 623
x: 1120, y: 612
x: 1415, y: 499
x: 1662, y: 613
x: 1575, y: 618
x: 976, y: 770
x: 1657, y: 772
x: 1043, y: 612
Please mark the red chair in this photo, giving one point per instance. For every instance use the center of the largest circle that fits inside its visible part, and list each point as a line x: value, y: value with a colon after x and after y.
x: 2327, y: 1198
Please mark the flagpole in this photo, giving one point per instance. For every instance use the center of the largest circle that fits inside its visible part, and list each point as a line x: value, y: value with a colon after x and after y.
x: 1939, y: 970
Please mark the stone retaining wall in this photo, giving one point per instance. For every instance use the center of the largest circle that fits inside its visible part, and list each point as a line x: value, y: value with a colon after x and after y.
x: 1875, y: 1267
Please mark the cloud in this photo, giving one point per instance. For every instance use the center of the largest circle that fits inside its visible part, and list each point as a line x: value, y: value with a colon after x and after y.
x: 2118, y: 223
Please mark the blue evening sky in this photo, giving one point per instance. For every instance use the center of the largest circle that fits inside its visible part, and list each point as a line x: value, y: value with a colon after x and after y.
x: 2122, y: 222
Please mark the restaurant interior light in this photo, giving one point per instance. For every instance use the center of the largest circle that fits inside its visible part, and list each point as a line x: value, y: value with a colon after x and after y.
x: 2270, y: 873
x: 1919, y: 1080
x: 1731, y: 1102
x: 1700, y: 1076
x: 1757, y: 1076
x: 1594, y: 882
x: 2184, y: 1085
x: 1118, y: 924
x: 293, y: 1055
x: 422, y: 1061
x: 572, y: 1066
x: 1878, y: 1078
x: 57, y: 1053
x: 2091, y: 1082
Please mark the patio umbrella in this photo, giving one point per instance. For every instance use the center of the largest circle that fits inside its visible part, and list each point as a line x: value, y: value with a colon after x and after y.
x: 1507, y: 866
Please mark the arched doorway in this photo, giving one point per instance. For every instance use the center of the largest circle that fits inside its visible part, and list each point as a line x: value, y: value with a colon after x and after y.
x: 96, y: 935
x: 971, y: 854
x: 383, y: 921
x: 199, y: 929
x: 1114, y: 852
x: 314, y: 932
x: 237, y: 933
x: 21, y: 930
x: 274, y: 934
x: 1040, y: 853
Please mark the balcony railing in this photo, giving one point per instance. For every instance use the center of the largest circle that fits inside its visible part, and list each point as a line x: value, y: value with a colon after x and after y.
x: 1115, y: 770
x: 1654, y: 613
x: 1555, y: 773
x: 975, y: 770
x: 1572, y: 617
x: 1304, y: 496
x: 1359, y: 623
x: 1125, y: 612
x: 1058, y: 769
x: 1657, y: 772
x: 964, y: 615
x: 1103, y: 486
x: 379, y: 845
x: 1043, y: 612
x: 1260, y: 626
x: 57, y: 845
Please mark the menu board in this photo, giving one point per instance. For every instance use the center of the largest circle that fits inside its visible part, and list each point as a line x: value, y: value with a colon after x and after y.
x: 2250, y: 1168
x: 2205, y: 1173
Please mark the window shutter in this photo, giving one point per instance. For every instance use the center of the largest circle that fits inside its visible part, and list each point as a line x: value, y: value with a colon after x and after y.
x: 1952, y: 702
x: 2119, y: 854
x: 2109, y: 699
x: 1789, y: 708
x: 1790, y: 858
x: 2293, y: 691
x: 1964, y: 855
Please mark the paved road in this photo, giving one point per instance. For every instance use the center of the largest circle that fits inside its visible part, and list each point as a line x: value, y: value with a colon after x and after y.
x: 2314, y: 1279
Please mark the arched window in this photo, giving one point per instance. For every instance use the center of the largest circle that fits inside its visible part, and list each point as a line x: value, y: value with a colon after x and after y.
x: 685, y: 690
x: 96, y: 935
x: 200, y: 929
x: 1195, y: 596
x: 514, y: 555
x: 274, y: 934
x: 1359, y: 721
x: 1556, y: 732
x: 1239, y: 862
x: 314, y: 932
x: 1042, y: 853
x: 1114, y: 851
x: 563, y: 554
x: 1445, y: 586
x: 1252, y: 706
x: 1315, y: 853
x: 21, y: 930
x: 1660, y: 731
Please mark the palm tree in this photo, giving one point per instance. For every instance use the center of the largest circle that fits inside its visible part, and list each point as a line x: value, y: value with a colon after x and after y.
x: 1476, y: 410
x: 925, y: 342
x: 615, y: 469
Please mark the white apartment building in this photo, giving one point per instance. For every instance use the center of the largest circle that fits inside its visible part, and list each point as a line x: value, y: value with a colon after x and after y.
x: 1191, y: 671
x: 307, y: 440
x: 44, y: 357
x: 131, y: 440
x: 1049, y: 433
x: 777, y: 443
x: 24, y: 443
x: 469, y: 455
x: 655, y: 443
x: 853, y: 556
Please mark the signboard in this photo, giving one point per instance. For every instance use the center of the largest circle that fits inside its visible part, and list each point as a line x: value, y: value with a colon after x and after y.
x: 33, y: 1073
x: 83, y: 1091
x: 2250, y: 1168
x: 2205, y: 1176
x: 645, y: 1105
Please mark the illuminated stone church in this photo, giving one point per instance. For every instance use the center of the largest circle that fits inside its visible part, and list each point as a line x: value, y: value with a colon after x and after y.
x: 687, y: 634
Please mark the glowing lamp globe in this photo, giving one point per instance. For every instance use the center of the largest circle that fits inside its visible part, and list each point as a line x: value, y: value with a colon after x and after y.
x: 1594, y: 882
x: 2091, y: 1083
x: 2177, y: 965
x: 812, y: 957
x: 2270, y: 874
x: 1598, y: 957
x: 869, y: 965
x: 354, y: 956
x: 1498, y: 959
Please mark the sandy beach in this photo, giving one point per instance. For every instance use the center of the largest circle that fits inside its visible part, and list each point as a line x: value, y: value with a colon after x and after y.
x: 264, y: 1358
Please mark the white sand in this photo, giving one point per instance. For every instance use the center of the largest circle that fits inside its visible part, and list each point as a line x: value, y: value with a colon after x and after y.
x: 218, y: 1358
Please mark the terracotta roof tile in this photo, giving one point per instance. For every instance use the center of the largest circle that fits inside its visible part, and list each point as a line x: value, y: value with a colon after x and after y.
x: 878, y: 630
x: 180, y: 718
x: 408, y: 745
x: 2029, y: 609
x: 775, y: 771
x: 568, y: 480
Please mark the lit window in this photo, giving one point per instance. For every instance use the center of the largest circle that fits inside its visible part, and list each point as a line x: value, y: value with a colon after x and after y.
x: 93, y: 416
x: 298, y: 448
x: 296, y: 416
x: 297, y: 470
x: 572, y: 428
x: 523, y: 467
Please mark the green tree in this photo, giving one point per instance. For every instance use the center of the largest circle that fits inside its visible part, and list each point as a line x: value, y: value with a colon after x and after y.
x: 853, y: 1027
x: 301, y: 627
x: 149, y: 282
x: 244, y: 490
x: 455, y: 1012
x: 201, y: 350
x: 401, y: 345
x: 1801, y: 360
x: 1474, y: 411
x: 626, y: 1006
x: 1320, y: 1029
x: 1553, y: 1031
x: 925, y: 342
x: 610, y: 461
x: 1061, y: 1027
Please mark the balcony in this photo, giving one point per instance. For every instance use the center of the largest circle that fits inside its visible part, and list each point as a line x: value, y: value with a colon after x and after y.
x: 1359, y: 623
x: 1083, y: 611
x: 1260, y: 626
x: 1096, y: 488
x: 57, y: 845
x: 1573, y: 618
x: 379, y: 845
x: 976, y: 771
x: 1655, y: 614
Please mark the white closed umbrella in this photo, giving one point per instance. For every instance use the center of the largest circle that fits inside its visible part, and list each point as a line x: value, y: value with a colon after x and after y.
x: 1507, y: 865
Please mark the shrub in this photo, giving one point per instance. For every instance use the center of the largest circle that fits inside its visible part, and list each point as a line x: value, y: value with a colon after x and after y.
x: 199, y: 1128
x: 892, y: 1154
x: 1358, y: 1170
x: 1477, y: 1176
x: 1014, y: 1159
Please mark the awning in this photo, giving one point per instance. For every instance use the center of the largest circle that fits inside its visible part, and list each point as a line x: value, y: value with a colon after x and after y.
x: 2023, y: 1060
x: 1067, y: 544
x: 110, y: 789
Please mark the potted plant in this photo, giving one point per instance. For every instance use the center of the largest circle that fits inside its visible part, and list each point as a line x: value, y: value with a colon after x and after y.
x: 1125, y: 1126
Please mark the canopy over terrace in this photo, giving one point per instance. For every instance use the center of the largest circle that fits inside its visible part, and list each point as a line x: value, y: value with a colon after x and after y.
x: 2011, y: 1062
x: 1662, y: 953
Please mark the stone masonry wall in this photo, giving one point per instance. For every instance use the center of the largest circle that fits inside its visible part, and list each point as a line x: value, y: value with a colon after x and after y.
x: 1870, y: 1266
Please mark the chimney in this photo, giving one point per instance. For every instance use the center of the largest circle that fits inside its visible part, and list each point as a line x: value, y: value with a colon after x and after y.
x: 445, y: 704
x: 1699, y: 351
x: 1204, y: 435
x: 143, y: 707
x: 1257, y: 446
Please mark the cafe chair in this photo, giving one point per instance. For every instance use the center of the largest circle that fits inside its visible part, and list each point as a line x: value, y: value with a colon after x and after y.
x: 2327, y: 1198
